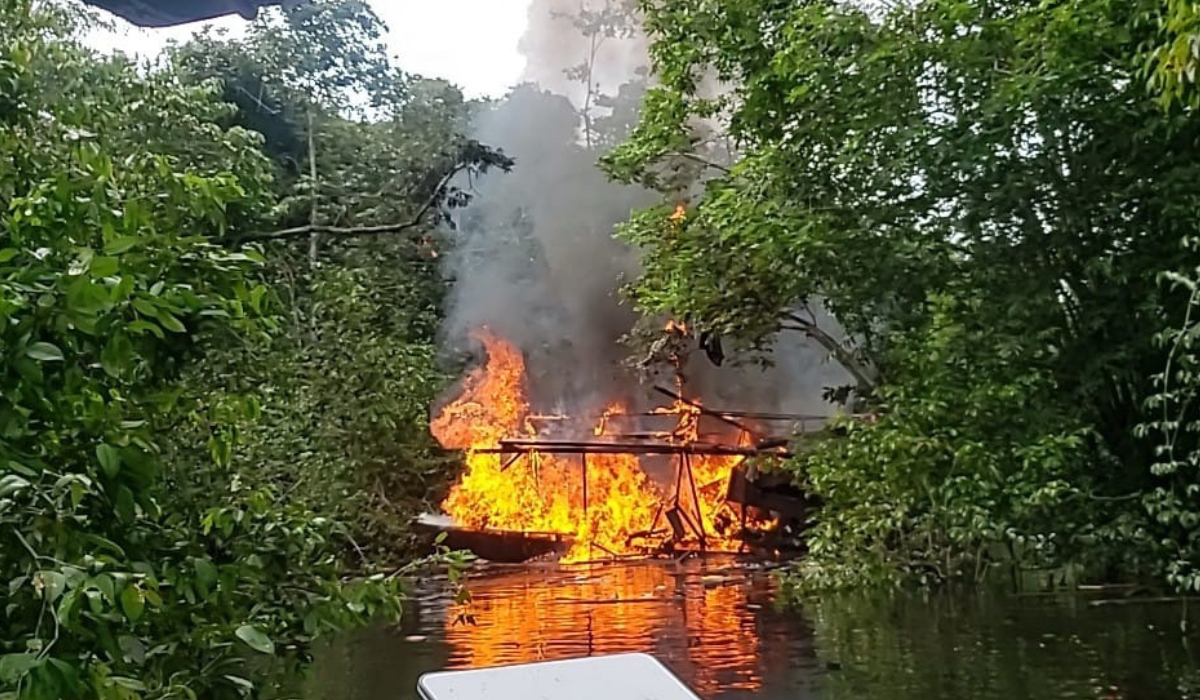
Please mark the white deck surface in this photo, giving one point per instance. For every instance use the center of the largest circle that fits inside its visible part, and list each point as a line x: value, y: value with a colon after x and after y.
x: 616, y: 677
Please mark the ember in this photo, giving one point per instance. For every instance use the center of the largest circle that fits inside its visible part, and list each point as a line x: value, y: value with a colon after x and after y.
x: 676, y: 327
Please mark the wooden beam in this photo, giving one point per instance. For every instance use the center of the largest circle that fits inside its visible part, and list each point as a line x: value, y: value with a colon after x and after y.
x: 509, y: 447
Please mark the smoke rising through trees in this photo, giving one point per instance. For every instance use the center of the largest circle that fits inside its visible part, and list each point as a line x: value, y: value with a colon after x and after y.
x: 535, y: 258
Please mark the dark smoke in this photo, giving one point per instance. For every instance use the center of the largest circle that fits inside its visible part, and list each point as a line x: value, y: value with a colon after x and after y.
x: 535, y: 259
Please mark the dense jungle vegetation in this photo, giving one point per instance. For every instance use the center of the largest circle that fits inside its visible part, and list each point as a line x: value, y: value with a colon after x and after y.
x: 197, y: 269
x: 998, y: 202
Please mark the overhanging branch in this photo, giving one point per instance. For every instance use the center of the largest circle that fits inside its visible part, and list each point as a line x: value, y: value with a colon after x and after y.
x: 698, y: 159
x: 416, y: 221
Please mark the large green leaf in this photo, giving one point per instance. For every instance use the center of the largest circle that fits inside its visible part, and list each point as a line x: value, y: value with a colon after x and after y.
x: 133, y: 603
x: 104, y: 266
x: 45, y: 352
x: 170, y: 322
x: 14, y: 666
x: 125, y: 505
x: 110, y: 459
x: 255, y: 639
x: 206, y: 575
x: 117, y: 357
x: 121, y: 245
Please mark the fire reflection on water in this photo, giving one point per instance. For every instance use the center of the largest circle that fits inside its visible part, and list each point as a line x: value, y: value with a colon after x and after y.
x: 701, y: 622
x: 905, y: 646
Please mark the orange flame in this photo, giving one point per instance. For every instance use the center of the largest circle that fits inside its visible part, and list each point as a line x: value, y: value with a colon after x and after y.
x: 602, y: 425
x: 674, y: 326
x: 601, y: 503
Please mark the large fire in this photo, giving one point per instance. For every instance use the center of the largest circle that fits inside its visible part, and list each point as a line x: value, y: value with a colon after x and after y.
x: 547, y: 493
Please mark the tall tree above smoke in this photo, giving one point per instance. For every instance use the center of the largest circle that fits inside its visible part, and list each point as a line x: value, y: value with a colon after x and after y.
x: 564, y: 35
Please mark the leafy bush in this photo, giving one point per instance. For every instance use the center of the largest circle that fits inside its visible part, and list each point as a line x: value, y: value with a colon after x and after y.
x: 1174, y: 500
x: 143, y: 554
x: 975, y: 459
x: 984, y: 196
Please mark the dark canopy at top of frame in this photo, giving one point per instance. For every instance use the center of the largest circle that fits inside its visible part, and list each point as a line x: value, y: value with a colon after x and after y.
x: 165, y: 13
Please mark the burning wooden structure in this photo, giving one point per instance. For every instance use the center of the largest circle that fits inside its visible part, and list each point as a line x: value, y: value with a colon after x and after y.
x: 681, y: 477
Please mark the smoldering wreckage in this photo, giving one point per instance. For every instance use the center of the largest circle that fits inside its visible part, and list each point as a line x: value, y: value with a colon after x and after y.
x: 570, y: 450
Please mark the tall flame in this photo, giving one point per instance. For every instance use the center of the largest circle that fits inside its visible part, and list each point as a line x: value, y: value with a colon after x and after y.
x: 493, y: 402
x: 547, y: 493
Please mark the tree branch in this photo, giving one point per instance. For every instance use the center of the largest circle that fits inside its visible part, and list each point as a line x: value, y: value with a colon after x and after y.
x: 698, y: 159
x: 862, y: 374
x: 313, y: 238
x: 417, y: 220
x: 258, y: 101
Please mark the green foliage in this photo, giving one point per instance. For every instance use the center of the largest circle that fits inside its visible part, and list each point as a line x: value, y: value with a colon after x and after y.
x: 328, y: 52
x: 974, y: 461
x: 365, y: 172
x: 345, y: 395
x: 1175, y: 55
x: 354, y: 140
x: 1174, y: 502
x: 186, y: 463
x: 984, y: 196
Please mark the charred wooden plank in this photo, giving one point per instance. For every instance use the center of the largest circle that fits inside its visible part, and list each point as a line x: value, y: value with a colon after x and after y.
x: 631, y: 448
x: 783, y: 498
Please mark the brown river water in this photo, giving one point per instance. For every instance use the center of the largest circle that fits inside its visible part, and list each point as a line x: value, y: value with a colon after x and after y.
x: 717, y: 626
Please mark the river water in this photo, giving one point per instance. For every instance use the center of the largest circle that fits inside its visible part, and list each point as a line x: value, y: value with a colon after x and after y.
x: 717, y: 626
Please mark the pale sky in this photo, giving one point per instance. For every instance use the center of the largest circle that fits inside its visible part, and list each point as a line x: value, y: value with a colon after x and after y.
x: 471, y: 43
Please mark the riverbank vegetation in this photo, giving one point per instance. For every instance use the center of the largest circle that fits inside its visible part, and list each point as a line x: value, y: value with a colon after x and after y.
x: 997, y: 202
x: 197, y: 274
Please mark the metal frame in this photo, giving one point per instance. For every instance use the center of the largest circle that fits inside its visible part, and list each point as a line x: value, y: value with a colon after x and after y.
x: 680, y: 519
x: 674, y: 508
